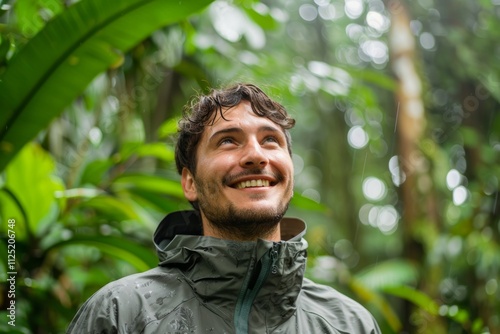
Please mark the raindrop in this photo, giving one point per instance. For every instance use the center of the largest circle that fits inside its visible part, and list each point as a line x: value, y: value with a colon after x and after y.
x: 373, y: 215
x: 394, y: 163
x: 28, y: 281
x: 248, y: 58
x: 261, y: 8
x: 352, y: 118
x: 482, y: 92
x: 376, y: 5
x: 491, y: 286
x: 343, y: 249
x: 308, y: 12
x: 328, y: 12
x: 377, y: 21
x: 66, y: 234
x: 319, y: 68
x: 376, y: 50
x: 374, y: 189
x: 453, y: 310
x: 364, y: 212
x: 357, y: 137
x: 322, y: 2
x: 443, y: 310
x: 298, y: 163
x: 95, y: 136
x: 460, y: 195
x: 105, y: 229
x: 397, y: 175
x: 113, y: 102
x: 439, y: 97
x: 387, y: 219
x: 324, y: 268
x: 279, y: 15
x: 453, y: 179
x: 427, y: 41
x: 354, y: 31
x: 353, y: 8
x: 454, y: 246
x: 471, y: 103
x: 416, y: 27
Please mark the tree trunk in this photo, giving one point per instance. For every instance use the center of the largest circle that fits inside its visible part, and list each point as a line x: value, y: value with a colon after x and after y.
x: 418, y: 209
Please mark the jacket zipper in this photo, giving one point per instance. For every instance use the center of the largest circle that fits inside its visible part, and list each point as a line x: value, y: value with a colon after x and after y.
x: 253, y: 283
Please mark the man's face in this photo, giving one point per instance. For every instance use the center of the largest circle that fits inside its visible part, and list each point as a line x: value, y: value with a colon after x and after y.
x: 244, y: 174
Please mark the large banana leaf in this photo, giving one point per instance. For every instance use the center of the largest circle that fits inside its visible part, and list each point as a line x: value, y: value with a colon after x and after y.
x: 140, y: 257
x: 58, y: 63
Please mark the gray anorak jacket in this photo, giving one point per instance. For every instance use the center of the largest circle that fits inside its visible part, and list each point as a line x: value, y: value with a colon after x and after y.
x: 209, y: 285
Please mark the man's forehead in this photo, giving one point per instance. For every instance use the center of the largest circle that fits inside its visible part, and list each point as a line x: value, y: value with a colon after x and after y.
x: 239, y: 115
x: 235, y: 113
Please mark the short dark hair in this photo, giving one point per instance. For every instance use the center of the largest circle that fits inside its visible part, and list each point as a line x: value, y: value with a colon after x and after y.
x: 203, y: 110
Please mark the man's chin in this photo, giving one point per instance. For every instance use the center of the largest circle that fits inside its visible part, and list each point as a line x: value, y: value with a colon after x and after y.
x: 257, y: 206
x: 246, y: 223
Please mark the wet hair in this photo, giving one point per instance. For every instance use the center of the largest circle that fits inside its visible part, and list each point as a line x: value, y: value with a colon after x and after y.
x: 203, y: 110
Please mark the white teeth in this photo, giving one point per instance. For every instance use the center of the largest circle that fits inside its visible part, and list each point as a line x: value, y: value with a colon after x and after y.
x: 253, y: 183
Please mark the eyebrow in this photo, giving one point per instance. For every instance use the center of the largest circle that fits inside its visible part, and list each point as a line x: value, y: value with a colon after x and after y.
x: 266, y: 128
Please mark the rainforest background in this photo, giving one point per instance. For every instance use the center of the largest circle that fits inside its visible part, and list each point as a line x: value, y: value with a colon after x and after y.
x: 396, y: 148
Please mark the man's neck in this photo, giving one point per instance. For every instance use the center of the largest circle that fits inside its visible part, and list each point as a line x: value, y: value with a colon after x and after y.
x: 210, y: 231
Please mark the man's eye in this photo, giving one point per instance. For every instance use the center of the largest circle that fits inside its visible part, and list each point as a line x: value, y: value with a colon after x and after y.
x: 225, y: 141
x: 271, y: 139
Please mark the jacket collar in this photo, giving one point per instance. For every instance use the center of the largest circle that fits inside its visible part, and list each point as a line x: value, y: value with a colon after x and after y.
x: 216, y: 268
x: 189, y: 223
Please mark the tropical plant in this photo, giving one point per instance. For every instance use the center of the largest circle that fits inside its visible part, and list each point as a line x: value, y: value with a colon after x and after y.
x: 71, y: 224
x: 409, y: 217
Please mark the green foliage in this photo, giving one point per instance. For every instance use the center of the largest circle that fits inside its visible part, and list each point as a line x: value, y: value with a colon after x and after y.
x: 139, y: 257
x: 71, y: 227
x: 28, y: 176
x: 87, y: 39
x: 305, y: 203
x: 388, y: 274
x: 416, y: 297
x: 90, y: 96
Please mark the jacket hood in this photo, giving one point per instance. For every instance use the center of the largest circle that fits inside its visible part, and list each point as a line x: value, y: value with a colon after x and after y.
x: 217, y: 269
x: 189, y: 223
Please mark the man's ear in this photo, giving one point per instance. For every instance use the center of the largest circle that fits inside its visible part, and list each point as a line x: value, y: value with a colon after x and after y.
x: 188, y: 185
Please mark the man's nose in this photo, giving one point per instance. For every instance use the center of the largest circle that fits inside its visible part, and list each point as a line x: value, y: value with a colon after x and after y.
x: 254, y: 156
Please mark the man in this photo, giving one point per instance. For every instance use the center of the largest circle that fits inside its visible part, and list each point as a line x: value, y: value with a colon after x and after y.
x: 234, y: 264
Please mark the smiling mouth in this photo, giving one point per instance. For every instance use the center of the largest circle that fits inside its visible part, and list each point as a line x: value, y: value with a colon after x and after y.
x: 252, y: 184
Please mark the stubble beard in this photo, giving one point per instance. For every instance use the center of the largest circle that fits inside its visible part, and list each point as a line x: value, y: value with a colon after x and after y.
x: 239, y: 224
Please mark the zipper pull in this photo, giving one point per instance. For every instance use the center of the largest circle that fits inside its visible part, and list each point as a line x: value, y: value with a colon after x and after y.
x: 274, y: 258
